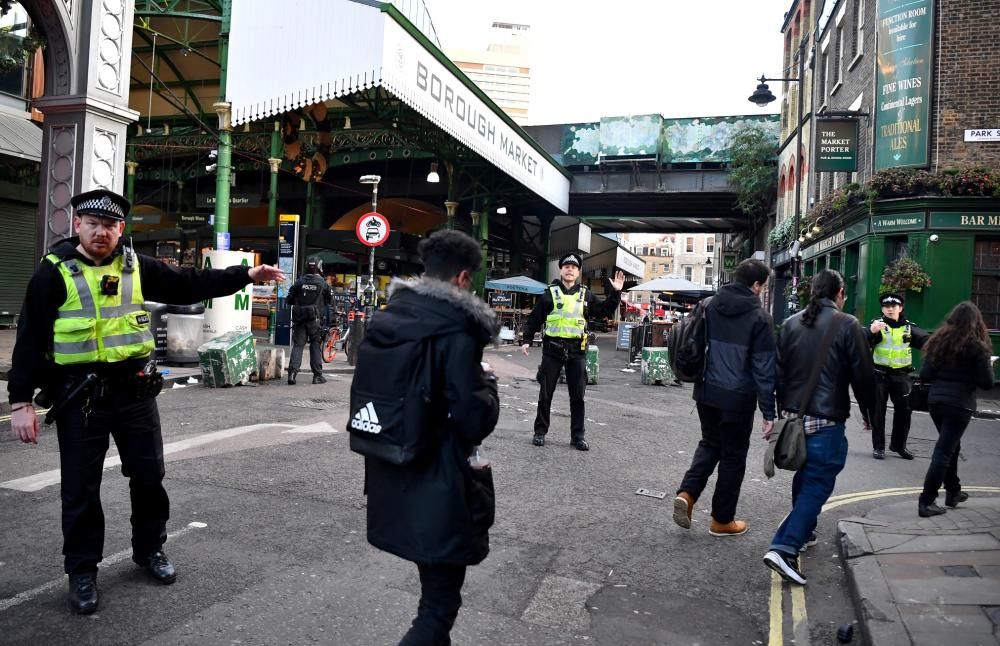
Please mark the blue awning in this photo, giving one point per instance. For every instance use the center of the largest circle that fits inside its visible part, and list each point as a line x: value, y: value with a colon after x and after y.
x: 521, y: 284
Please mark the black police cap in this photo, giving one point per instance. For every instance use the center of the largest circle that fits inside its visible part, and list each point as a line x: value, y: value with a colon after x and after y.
x: 892, y: 298
x: 102, y: 203
x: 570, y: 259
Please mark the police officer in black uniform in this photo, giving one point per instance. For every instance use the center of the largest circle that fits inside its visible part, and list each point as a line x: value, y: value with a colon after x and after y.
x: 309, y: 297
x: 564, y: 308
x: 84, y: 338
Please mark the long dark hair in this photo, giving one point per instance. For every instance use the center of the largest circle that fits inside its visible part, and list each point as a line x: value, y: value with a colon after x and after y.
x: 825, y: 284
x: 962, y: 335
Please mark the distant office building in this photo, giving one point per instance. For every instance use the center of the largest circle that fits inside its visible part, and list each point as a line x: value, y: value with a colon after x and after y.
x: 503, y: 69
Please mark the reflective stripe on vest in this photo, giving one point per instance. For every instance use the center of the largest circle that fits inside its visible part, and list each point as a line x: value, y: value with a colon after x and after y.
x: 566, y: 319
x: 892, y: 351
x: 92, y: 327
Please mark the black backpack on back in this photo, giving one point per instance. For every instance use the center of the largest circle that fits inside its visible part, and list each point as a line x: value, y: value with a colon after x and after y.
x: 687, y: 345
x: 392, y: 400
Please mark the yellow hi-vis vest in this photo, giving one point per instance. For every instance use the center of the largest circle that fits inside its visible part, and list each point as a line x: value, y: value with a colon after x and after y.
x: 566, y: 319
x: 892, y: 351
x: 92, y: 327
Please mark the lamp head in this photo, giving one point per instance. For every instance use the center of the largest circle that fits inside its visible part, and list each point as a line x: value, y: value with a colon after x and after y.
x: 370, y: 179
x: 762, y: 95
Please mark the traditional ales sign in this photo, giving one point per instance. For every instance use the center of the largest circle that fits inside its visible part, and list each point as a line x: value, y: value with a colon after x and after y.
x: 905, y: 58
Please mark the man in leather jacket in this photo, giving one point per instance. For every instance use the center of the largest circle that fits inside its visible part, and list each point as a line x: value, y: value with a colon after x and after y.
x: 309, y: 298
x: 848, y: 362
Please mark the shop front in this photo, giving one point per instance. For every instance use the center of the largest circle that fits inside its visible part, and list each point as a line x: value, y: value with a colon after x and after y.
x: 955, y: 241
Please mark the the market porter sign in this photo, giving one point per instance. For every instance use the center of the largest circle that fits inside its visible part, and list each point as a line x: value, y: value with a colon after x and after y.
x: 836, y: 145
x: 905, y: 57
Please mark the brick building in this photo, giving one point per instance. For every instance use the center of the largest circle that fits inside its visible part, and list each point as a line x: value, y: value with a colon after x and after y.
x: 915, y: 76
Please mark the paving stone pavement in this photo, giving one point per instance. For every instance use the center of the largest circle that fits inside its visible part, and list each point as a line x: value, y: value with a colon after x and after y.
x: 926, y: 581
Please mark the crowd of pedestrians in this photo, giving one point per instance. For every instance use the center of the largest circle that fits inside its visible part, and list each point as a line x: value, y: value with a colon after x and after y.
x: 422, y: 400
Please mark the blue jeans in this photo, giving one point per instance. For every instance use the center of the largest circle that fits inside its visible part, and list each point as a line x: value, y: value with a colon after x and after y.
x: 826, y: 453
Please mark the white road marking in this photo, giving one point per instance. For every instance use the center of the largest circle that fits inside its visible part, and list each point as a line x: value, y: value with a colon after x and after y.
x: 117, y: 557
x: 39, y: 481
x: 319, y: 427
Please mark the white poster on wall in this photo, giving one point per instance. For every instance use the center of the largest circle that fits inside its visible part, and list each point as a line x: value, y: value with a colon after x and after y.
x: 228, y: 313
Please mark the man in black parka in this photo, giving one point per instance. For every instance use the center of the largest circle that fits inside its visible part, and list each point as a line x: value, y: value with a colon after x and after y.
x: 436, y: 511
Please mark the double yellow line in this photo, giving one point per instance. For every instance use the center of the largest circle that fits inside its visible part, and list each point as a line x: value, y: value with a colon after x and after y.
x: 800, y: 624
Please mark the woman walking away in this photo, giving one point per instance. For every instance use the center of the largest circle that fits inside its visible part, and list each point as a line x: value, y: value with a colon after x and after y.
x: 957, y: 360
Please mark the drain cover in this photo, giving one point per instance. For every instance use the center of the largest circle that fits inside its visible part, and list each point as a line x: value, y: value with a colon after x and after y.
x: 318, y: 404
x: 960, y: 570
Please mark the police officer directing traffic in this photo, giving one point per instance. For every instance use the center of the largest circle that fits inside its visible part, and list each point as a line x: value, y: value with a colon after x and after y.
x: 892, y: 338
x: 84, y: 338
x: 309, y: 297
x: 564, y: 309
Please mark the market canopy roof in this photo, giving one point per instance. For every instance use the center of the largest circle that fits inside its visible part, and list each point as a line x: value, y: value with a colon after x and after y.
x: 670, y: 284
x: 521, y: 284
x: 325, y: 49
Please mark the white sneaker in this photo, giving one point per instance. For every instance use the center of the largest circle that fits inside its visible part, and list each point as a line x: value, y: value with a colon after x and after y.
x: 786, y: 566
x: 812, y: 540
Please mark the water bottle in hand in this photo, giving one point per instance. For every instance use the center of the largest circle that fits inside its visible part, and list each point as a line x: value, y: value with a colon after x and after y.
x: 478, y: 459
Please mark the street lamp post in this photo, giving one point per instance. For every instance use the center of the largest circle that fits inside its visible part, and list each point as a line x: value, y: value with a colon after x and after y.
x: 369, y: 292
x: 761, y: 97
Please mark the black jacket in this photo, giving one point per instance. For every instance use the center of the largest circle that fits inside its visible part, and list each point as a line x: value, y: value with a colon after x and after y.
x: 848, y: 362
x: 955, y: 384
x: 309, y: 296
x: 31, y: 362
x: 740, y: 370
x: 594, y: 307
x: 437, y: 510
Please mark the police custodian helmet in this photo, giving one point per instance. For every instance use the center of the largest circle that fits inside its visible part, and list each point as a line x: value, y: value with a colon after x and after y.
x: 102, y: 203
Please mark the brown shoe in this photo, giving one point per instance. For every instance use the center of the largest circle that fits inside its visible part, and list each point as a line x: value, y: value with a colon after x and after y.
x: 683, y: 506
x: 732, y: 528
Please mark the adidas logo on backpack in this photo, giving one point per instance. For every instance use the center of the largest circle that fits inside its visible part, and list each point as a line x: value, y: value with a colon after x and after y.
x: 366, y: 420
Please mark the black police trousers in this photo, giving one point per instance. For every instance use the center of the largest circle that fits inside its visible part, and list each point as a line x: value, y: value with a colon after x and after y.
x: 83, y: 445
x: 894, y: 385
x: 307, y: 331
x: 554, y: 357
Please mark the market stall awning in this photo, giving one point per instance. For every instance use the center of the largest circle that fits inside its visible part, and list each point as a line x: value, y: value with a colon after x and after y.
x: 325, y: 49
x: 521, y: 284
x: 20, y: 137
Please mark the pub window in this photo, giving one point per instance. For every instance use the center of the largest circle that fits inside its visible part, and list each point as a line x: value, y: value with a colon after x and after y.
x: 895, y: 248
x: 986, y: 280
x: 858, y: 40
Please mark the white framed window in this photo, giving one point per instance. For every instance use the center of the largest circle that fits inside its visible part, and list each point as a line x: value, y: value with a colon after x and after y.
x: 688, y: 271
x: 709, y: 275
x: 710, y: 244
x: 689, y: 245
x: 838, y: 61
x: 858, y: 37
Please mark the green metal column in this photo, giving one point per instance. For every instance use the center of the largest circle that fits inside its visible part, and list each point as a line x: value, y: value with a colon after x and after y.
x: 451, y: 204
x: 131, y: 166
x: 223, y: 168
x: 275, y: 161
x: 309, y: 205
x: 516, y: 238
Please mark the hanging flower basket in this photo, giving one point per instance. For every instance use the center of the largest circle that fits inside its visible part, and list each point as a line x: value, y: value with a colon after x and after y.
x: 902, y: 275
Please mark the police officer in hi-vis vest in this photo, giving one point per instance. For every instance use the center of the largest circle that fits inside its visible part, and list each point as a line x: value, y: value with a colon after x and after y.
x: 84, y: 338
x: 564, y: 309
x: 892, y: 338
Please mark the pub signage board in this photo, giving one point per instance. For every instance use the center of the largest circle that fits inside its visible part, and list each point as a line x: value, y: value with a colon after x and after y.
x: 836, y: 145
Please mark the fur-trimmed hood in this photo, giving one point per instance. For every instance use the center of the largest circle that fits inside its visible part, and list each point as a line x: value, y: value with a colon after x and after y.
x: 436, y: 305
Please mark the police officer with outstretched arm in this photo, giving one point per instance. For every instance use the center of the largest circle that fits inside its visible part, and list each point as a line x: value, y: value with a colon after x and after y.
x: 564, y: 309
x: 84, y: 338
x: 309, y: 297
x: 892, y: 339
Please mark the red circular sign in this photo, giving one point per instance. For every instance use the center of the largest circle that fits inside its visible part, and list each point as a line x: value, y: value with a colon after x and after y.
x: 372, y: 229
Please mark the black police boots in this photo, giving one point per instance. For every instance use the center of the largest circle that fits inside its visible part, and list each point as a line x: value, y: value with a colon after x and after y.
x: 291, y: 377
x: 319, y: 379
x: 83, y: 598
x: 158, y: 566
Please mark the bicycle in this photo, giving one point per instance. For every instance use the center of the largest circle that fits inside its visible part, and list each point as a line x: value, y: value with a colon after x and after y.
x: 333, y: 341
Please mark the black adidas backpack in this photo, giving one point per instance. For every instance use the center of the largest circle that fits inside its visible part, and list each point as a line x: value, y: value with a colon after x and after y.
x: 687, y: 345
x: 391, y: 400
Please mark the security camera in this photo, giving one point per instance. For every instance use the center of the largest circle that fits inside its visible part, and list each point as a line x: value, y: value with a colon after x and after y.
x: 212, y: 154
x: 211, y: 168
x: 794, y: 249
x: 934, y: 237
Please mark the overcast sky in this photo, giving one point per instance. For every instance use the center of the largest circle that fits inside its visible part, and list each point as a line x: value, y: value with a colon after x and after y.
x: 673, y: 57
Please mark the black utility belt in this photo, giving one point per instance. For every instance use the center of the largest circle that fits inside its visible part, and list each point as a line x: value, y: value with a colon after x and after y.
x: 886, y: 371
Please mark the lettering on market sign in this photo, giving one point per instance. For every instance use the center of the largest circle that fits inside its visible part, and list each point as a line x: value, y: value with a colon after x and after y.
x: 832, y: 241
x: 465, y: 111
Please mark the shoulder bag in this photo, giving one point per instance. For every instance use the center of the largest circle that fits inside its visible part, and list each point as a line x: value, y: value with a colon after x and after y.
x: 787, y: 448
